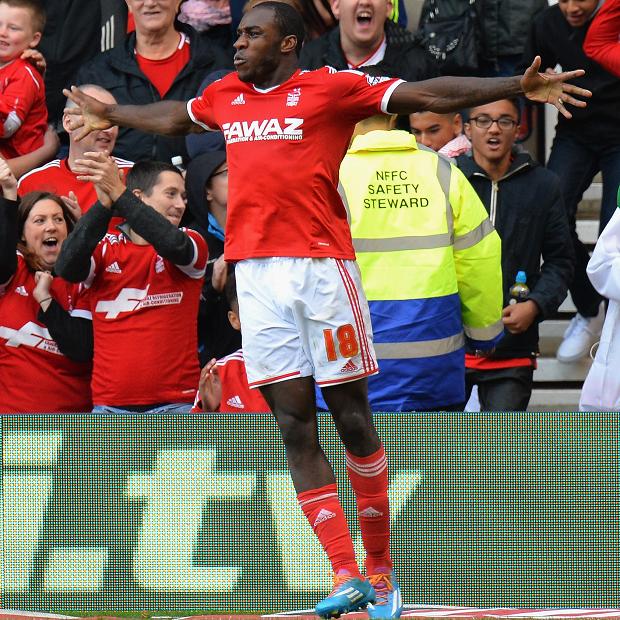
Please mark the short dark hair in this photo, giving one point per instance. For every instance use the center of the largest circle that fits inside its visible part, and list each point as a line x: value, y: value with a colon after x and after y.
x: 515, y: 101
x: 145, y: 174
x: 288, y: 20
x: 23, y: 211
x: 35, y: 7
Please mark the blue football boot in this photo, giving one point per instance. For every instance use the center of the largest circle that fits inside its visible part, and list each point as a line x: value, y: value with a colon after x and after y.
x: 389, y: 603
x: 349, y: 594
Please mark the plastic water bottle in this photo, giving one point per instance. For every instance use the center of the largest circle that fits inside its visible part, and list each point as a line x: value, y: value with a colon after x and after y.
x: 519, y: 291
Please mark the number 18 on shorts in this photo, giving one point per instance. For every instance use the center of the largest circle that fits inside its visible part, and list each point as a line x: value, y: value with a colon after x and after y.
x: 304, y: 317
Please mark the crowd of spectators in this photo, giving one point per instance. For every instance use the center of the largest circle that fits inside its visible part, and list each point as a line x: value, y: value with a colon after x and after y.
x: 107, y: 298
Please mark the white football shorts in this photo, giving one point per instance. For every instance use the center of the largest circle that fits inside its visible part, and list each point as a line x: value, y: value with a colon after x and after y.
x: 304, y: 317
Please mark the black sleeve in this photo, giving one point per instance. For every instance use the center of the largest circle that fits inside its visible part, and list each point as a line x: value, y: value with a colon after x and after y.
x: 537, y: 44
x: 170, y: 242
x: 558, y: 257
x: 73, y: 263
x: 73, y: 335
x: 8, y: 239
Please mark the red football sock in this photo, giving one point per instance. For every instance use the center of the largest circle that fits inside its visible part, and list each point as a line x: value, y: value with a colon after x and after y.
x: 324, y: 512
x: 369, y: 478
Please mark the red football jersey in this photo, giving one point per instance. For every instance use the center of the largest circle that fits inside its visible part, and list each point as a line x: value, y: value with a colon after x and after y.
x: 22, y: 96
x: 161, y: 73
x: 57, y: 177
x: 35, y: 377
x: 284, y: 147
x: 237, y: 397
x: 144, y: 310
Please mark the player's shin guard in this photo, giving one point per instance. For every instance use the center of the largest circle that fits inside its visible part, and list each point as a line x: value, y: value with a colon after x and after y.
x: 324, y: 512
x: 369, y: 478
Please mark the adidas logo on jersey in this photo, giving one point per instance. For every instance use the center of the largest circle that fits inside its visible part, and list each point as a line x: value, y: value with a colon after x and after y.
x: 350, y: 366
x: 21, y: 290
x: 235, y: 401
x: 371, y: 513
x: 114, y: 268
x: 324, y: 515
x: 238, y: 100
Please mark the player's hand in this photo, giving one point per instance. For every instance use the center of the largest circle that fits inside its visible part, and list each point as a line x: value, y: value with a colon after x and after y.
x: 8, y: 182
x: 90, y: 115
x: 220, y: 274
x: 73, y: 205
x: 210, y: 387
x: 552, y: 88
x: 518, y: 317
x: 100, y: 169
x: 43, y: 285
x: 36, y: 59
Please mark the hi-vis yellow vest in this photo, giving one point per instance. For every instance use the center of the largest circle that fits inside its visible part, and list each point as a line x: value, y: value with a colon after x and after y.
x: 429, y: 256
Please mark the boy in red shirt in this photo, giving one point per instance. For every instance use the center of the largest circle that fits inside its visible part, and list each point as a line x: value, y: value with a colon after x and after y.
x: 23, y: 114
x: 223, y: 385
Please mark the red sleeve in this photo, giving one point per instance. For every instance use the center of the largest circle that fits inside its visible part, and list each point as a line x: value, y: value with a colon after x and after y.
x: 197, y: 267
x: 18, y: 95
x: 200, y: 109
x: 602, y: 42
x: 358, y: 95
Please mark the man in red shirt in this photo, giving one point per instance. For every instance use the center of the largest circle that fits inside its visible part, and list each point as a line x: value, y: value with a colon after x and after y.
x: 303, y: 311
x: 143, y: 284
x: 59, y: 176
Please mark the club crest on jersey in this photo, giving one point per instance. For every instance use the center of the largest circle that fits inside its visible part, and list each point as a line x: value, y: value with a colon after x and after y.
x: 267, y: 129
x: 373, y: 80
x: 292, y: 98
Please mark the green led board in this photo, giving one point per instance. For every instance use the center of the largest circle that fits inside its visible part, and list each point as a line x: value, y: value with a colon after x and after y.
x: 198, y: 512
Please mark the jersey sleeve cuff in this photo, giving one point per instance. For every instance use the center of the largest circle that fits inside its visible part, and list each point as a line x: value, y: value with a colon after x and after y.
x: 388, y: 94
x: 191, y: 114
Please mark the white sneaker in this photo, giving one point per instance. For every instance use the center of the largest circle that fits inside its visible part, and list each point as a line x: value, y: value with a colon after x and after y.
x: 580, y: 335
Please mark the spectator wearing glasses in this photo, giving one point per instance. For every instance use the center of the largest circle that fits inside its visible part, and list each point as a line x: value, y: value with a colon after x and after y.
x: 524, y: 202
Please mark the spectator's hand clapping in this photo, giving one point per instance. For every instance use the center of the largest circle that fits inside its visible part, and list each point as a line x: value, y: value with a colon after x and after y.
x: 42, y: 289
x: 8, y: 182
x: 552, y: 87
x: 73, y: 205
x: 100, y: 169
x: 90, y: 115
x: 210, y: 387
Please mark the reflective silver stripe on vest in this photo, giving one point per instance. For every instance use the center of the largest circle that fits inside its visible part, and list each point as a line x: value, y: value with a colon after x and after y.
x: 395, y: 244
x: 425, y: 348
x: 474, y: 236
x: 484, y: 333
x: 444, y: 175
x: 345, y: 201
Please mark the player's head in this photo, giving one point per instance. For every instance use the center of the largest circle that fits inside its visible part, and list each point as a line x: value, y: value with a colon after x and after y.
x: 230, y: 290
x: 577, y: 12
x: 159, y: 185
x: 493, y: 129
x: 43, y: 223
x: 99, y: 141
x: 362, y: 22
x: 21, y: 26
x: 268, y: 35
x: 435, y: 130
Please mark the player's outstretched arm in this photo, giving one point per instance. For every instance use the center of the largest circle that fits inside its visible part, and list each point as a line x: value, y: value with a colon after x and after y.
x: 450, y: 94
x: 167, y: 118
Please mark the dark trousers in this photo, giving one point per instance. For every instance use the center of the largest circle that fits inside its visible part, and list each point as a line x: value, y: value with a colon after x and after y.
x: 504, y: 389
x: 576, y: 165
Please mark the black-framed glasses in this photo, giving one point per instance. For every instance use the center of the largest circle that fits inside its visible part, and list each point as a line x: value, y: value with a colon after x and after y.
x: 485, y: 122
